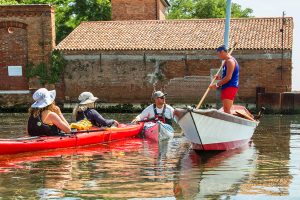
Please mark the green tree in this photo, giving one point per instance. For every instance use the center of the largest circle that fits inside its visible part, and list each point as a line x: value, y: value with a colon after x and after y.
x: 187, y: 9
x: 8, y: 2
x: 181, y: 9
x: 71, y: 15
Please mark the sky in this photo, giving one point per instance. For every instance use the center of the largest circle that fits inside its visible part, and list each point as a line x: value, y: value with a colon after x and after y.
x: 274, y: 8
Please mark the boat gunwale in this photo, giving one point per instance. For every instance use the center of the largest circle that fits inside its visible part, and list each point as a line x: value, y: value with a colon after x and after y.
x: 214, y: 113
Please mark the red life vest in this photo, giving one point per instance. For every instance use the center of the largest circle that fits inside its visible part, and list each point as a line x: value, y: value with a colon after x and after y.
x: 161, y: 116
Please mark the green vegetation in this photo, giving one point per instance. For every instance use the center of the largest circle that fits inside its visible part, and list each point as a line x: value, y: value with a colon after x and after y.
x: 8, y: 2
x: 39, y: 71
x: 48, y: 73
x: 57, y: 65
x: 197, y: 9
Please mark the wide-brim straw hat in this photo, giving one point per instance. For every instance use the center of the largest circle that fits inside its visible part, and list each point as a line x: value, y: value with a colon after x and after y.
x: 43, y: 98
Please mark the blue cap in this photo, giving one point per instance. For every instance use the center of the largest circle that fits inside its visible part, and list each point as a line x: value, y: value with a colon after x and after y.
x: 222, y: 48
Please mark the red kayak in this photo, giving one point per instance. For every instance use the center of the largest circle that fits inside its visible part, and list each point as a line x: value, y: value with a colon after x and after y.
x: 118, y: 148
x: 80, y: 138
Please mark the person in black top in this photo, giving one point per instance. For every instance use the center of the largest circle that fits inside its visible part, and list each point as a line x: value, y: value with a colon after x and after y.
x: 45, y: 117
x: 85, y: 109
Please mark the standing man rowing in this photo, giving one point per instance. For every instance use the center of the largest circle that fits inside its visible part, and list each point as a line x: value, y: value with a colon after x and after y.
x: 230, y: 78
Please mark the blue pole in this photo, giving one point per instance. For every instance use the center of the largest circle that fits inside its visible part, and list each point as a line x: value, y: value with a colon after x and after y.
x: 226, y: 42
x: 227, y: 23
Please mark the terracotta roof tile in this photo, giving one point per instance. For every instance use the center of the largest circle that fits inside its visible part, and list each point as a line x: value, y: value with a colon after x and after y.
x: 250, y: 33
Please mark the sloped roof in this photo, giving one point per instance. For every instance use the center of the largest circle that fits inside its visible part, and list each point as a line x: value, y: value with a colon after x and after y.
x: 250, y: 33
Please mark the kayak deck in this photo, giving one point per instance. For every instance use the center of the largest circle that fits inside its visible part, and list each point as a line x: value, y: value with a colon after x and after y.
x: 92, y: 136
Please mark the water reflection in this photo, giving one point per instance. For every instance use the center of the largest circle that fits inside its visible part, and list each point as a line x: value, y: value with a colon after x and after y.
x: 211, y: 175
x: 294, y: 162
x: 141, y: 169
x: 272, y: 140
x: 120, y: 169
x: 115, y: 170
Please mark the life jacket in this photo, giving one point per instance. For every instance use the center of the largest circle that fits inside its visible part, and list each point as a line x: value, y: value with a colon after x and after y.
x: 94, y: 117
x: 36, y: 127
x: 83, y: 124
x: 161, y: 117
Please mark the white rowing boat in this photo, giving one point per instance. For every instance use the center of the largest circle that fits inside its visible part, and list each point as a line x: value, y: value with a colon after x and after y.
x: 211, y: 129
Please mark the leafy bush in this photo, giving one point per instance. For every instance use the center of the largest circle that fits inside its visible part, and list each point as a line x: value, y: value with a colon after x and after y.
x: 48, y: 73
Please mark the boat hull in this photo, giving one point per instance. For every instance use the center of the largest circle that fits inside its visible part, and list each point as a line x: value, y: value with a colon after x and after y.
x: 215, y: 130
x: 93, y: 136
x: 158, y: 131
x: 220, y: 146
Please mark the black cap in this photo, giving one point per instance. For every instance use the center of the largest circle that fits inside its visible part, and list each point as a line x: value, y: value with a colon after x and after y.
x: 222, y: 48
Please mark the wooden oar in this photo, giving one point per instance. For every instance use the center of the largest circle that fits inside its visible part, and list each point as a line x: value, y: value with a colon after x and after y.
x: 243, y: 114
x: 206, y: 92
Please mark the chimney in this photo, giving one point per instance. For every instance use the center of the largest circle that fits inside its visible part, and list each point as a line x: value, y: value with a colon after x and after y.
x: 139, y: 9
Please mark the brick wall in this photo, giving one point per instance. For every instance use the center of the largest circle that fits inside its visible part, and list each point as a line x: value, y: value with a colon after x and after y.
x: 27, y: 35
x: 125, y: 77
x: 13, y: 100
x: 189, y: 89
x: 13, y: 52
x: 112, y: 80
x: 161, y: 10
x: 137, y: 10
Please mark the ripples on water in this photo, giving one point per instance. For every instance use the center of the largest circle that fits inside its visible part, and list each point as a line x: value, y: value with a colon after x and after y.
x: 137, y: 168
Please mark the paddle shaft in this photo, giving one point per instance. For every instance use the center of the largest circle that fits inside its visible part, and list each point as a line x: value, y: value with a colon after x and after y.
x: 61, y: 135
x: 148, y: 120
x: 88, y: 131
x: 207, y: 90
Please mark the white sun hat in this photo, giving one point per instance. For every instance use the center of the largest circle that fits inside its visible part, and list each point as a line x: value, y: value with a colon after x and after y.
x: 86, y: 98
x: 43, y: 98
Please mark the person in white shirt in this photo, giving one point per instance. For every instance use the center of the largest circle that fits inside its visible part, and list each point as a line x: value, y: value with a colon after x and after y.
x: 159, y: 110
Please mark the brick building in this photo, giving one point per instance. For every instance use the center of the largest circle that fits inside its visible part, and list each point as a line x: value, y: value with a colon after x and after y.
x: 139, y: 9
x: 27, y: 35
x: 120, y: 60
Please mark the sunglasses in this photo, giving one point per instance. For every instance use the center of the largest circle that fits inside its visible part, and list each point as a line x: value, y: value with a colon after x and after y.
x: 161, y: 97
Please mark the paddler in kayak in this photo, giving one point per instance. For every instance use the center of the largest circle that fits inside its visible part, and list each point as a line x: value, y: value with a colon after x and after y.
x: 159, y: 110
x: 45, y: 117
x: 85, y: 110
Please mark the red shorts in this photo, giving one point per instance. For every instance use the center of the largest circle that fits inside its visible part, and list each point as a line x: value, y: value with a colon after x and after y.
x: 229, y: 93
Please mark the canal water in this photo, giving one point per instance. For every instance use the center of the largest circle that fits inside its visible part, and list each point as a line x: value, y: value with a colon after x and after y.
x: 139, y: 169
